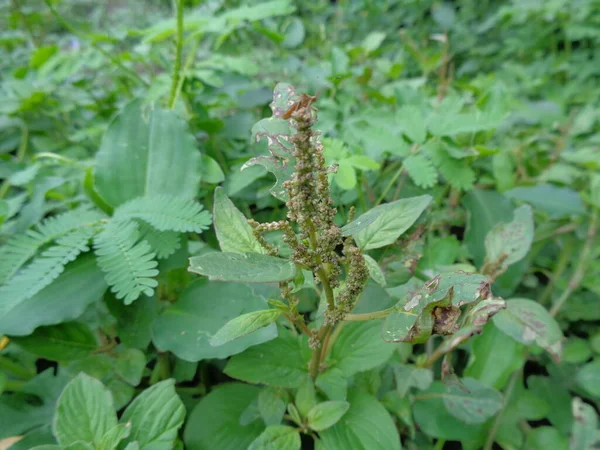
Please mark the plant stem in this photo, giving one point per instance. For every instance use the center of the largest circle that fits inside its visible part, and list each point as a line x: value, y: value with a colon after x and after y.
x: 315, y: 361
x: 439, y: 445
x: 82, y: 36
x: 20, y: 156
x: 368, y: 316
x: 389, y: 185
x: 582, y: 265
x: 179, y: 44
x: 496, y: 425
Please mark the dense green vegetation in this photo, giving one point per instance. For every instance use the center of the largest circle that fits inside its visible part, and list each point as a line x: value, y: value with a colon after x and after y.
x: 284, y: 224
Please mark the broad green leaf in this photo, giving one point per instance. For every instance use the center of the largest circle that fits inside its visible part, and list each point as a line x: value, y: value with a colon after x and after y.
x: 114, y: 436
x: 245, y: 268
x: 244, y: 325
x: 420, y: 170
x: 155, y: 416
x: 373, y: 41
x: 510, y: 242
x: 130, y: 365
x: 434, y: 419
x: 392, y: 219
x: 494, y: 357
x: 588, y: 377
x: 271, y: 406
x: 529, y: 322
x: 214, y: 423
x: 282, y: 362
x: 64, y: 342
x: 277, y: 437
x: 584, y: 434
x: 326, y: 414
x: 294, y: 33
x: 412, y: 123
x: 472, y: 403
x: 188, y: 325
x: 556, y: 201
x: 147, y: 153
x: 306, y: 397
x: 345, y: 177
x: 485, y: 209
x: 576, y: 351
x: 543, y: 438
x: 558, y: 398
x: 409, y: 376
x: 210, y: 170
x: 233, y: 231
x: 84, y: 412
x: 134, y: 322
x: 333, y: 383
x: 81, y: 284
x: 366, y: 425
x: 375, y: 270
x: 359, y: 347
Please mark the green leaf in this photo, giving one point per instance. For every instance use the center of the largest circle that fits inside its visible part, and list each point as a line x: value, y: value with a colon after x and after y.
x: 412, y: 122
x: 187, y: 326
x: 556, y: 201
x: 84, y: 412
x: 294, y: 33
x: 375, y: 271
x: 366, y: 425
x: 210, y: 171
x: 557, y: 396
x: 163, y: 243
x: 333, y: 383
x: 130, y: 365
x: 588, y: 377
x: 584, y: 435
x: 64, y: 342
x: 271, y: 406
x: 155, y: 416
x: 165, y: 213
x: 214, y: 423
x: 81, y: 284
x: 484, y: 210
x: 359, y: 347
x: 233, y: 231
x: 277, y: 437
x: 392, y: 219
x: 306, y: 397
x: 494, y: 357
x: 510, y: 242
x: 576, y: 351
x: 244, y: 325
x: 134, y: 322
x: 409, y: 376
x: 373, y: 41
x: 246, y: 268
x: 420, y: 170
x: 44, y: 269
x: 282, y: 362
x: 147, y: 154
x: 529, y: 322
x: 326, y: 414
x: 543, y: 438
x: 472, y: 403
x: 114, y: 436
x: 434, y: 419
x: 345, y: 177
x: 128, y: 263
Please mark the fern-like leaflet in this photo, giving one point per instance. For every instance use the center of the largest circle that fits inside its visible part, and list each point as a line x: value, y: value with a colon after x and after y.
x: 44, y: 269
x: 22, y: 247
x: 166, y: 213
x: 164, y: 243
x: 421, y: 170
x: 128, y: 262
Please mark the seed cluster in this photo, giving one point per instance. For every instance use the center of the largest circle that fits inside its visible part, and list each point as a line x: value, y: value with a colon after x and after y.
x: 311, y: 208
